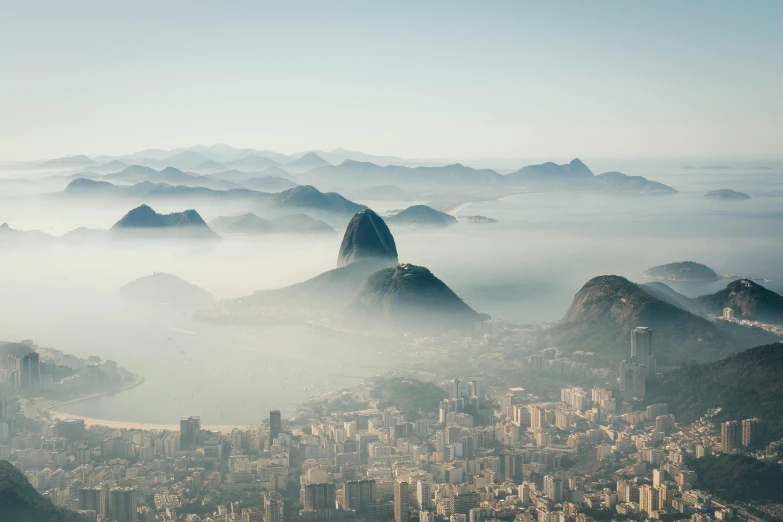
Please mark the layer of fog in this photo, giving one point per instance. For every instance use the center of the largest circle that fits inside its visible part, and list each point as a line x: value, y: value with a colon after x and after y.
x: 525, y: 268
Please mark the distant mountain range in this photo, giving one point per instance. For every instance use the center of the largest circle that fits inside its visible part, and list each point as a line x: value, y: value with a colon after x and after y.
x: 422, y: 216
x: 301, y: 198
x: 547, y: 176
x: 341, y: 169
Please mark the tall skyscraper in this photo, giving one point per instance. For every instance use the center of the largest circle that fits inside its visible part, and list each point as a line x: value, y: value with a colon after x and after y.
x: 752, y: 432
x: 189, y: 431
x: 641, y: 344
x: 730, y: 436
x: 123, y: 504
x: 639, y: 380
x: 652, y: 365
x: 455, y: 389
x: 273, y: 507
x: 401, y: 501
x: 359, y: 494
x: 424, y: 494
x: 275, y: 425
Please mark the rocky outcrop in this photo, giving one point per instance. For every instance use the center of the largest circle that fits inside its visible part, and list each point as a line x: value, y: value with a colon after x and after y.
x: 367, y: 237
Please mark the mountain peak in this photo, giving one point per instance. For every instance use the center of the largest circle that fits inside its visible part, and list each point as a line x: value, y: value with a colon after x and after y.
x: 367, y: 237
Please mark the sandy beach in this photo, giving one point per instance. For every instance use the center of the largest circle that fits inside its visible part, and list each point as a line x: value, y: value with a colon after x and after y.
x: 140, y: 425
x: 456, y: 209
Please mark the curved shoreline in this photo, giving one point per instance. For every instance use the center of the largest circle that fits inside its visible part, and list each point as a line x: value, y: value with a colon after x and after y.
x: 53, y: 412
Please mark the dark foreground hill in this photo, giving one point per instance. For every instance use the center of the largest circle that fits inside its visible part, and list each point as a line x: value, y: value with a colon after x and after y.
x: 366, y: 237
x: 412, y: 297
x: 739, y: 478
x: 607, y: 308
x: 166, y: 289
x: 20, y: 502
x: 747, y: 384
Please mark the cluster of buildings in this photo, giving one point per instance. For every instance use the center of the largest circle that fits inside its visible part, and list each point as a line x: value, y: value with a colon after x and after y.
x: 484, y: 452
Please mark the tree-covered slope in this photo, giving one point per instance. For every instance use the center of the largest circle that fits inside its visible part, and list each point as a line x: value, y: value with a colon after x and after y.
x: 20, y: 502
x: 747, y: 384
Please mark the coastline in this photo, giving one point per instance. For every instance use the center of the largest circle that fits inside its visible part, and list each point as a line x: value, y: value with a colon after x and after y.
x: 456, y: 209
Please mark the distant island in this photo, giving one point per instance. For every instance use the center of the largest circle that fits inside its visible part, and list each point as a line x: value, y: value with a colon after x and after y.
x: 682, y: 271
x: 707, y: 167
x: 422, y: 216
x: 166, y: 289
x: 479, y: 219
x: 726, y: 194
x: 185, y: 224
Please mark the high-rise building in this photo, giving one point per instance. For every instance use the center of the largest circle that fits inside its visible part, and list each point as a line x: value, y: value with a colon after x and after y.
x: 473, y: 389
x: 3, y: 409
x: 652, y: 365
x: 553, y: 488
x: 401, y: 501
x: 189, y: 431
x: 639, y: 380
x: 359, y: 494
x: 455, y: 389
x: 424, y: 494
x: 752, y: 432
x: 321, y: 498
x: 93, y: 499
x: 465, y: 501
x: 664, y: 497
x: 71, y: 430
x: 273, y: 507
x: 536, y: 418
x: 275, y: 425
x: 252, y: 514
x: 624, y: 384
x: 23, y: 371
x: 641, y: 344
x: 730, y: 436
x: 511, y: 465
x: 123, y: 504
x: 648, y: 499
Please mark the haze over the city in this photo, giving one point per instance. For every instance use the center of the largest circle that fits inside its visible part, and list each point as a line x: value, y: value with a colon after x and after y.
x: 411, y: 261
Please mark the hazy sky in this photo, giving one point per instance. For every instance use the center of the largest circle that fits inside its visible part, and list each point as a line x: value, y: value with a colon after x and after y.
x: 416, y: 79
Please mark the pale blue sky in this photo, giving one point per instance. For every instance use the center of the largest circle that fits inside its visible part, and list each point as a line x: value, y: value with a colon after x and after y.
x: 416, y: 79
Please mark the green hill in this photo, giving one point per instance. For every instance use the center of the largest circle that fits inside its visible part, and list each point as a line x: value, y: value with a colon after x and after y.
x: 749, y: 300
x: 20, y: 502
x: 168, y: 289
x: 748, y: 384
x: 411, y: 297
x: 607, y: 308
x: 739, y: 478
